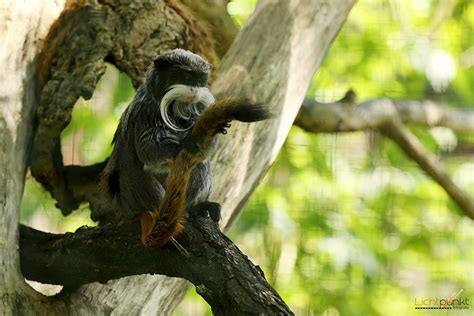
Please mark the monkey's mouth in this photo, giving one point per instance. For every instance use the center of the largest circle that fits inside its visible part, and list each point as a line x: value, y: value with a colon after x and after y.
x: 181, y: 105
x: 182, y: 115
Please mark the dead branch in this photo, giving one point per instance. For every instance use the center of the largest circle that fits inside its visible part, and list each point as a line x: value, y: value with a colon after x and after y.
x: 345, y: 116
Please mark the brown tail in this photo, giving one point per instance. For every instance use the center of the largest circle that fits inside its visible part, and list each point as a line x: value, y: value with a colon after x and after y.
x: 159, y: 226
x: 213, y: 119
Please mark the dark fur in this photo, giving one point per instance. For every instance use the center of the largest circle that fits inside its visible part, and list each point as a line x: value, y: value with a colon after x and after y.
x: 142, y: 137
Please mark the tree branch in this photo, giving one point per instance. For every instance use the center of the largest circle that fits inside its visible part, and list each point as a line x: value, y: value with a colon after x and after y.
x: 340, y: 116
x: 429, y: 113
x: 387, y: 116
x: 222, y: 274
x: 396, y: 131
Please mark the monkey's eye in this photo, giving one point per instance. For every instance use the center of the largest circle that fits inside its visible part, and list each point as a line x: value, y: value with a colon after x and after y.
x: 190, y: 78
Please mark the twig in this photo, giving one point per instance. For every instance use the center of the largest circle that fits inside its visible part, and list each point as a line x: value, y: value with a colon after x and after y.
x: 396, y: 131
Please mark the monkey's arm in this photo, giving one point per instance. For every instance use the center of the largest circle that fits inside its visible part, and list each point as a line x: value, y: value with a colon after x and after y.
x: 154, y: 146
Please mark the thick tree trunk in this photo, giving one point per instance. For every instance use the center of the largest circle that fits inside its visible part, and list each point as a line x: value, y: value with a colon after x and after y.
x: 18, y: 33
x: 22, y: 24
x: 273, y: 59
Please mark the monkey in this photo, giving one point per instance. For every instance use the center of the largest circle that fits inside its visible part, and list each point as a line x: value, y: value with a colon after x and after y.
x: 158, y: 169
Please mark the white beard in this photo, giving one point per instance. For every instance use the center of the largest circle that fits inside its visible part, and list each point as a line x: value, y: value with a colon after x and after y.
x: 186, y: 102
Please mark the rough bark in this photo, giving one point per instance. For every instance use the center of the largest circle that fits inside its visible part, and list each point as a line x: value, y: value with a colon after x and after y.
x: 21, y: 25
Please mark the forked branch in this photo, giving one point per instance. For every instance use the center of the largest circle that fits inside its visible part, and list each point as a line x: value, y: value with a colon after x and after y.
x: 387, y: 116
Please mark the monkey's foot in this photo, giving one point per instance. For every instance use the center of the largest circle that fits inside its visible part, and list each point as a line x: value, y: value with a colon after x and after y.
x: 158, y: 232
x: 207, y: 208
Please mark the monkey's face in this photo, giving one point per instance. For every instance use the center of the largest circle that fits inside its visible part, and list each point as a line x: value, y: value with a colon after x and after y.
x: 178, y: 67
x: 183, y: 95
x: 178, y: 81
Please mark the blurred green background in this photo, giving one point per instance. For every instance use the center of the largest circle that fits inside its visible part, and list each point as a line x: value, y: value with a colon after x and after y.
x: 343, y: 224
